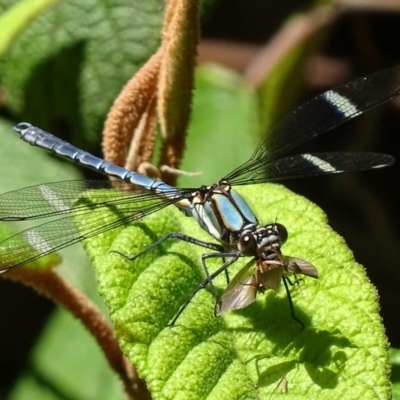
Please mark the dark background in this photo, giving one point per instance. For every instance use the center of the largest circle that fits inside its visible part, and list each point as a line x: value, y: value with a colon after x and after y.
x: 363, y: 207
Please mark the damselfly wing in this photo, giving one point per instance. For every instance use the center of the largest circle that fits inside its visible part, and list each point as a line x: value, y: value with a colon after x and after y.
x: 218, y: 208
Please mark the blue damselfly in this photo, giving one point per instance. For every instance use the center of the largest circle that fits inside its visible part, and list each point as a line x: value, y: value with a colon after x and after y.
x: 218, y: 208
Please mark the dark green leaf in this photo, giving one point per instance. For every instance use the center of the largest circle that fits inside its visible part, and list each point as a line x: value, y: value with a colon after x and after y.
x: 66, y: 67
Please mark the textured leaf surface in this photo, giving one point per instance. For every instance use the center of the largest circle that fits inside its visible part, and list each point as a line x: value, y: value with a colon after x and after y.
x: 342, y: 353
x: 69, y: 63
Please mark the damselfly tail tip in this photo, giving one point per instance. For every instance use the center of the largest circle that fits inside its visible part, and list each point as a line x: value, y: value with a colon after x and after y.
x: 22, y: 126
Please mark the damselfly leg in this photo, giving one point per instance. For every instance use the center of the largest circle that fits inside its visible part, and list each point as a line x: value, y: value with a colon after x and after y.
x: 218, y: 208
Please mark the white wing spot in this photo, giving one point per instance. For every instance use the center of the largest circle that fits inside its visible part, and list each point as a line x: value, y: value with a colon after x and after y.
x: 53, y: 199
x: 37, y: 242
x: 319, y: 163
x: 342, y: 104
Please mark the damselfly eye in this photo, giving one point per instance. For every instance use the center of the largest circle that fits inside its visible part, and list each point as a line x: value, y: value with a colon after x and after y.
x: 282, y: 231
x: 247, y: 244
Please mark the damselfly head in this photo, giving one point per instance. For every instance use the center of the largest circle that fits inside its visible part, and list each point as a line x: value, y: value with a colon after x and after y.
x: 269, y: 239
x: 262, y: 242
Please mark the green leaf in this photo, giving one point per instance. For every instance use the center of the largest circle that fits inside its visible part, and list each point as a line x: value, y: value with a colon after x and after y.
x: 66, y: 360
x: 395, y: 361
x: 67, y: 66
x: 342, y: 352
x: 17, y: 17
x: 67, y: 364
x: 281, y: 88
x: 46, y: 262
x: 224, y: 114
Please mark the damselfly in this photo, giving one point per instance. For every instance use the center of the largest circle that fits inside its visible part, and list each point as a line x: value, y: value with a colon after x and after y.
x: 219, y: 210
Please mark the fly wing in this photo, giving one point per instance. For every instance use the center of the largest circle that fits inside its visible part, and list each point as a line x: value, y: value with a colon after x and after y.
x: 271, y: 278
x: 295, y: 265
x: 241, y: 291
